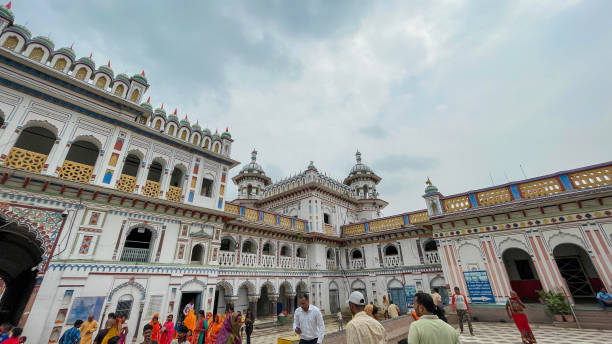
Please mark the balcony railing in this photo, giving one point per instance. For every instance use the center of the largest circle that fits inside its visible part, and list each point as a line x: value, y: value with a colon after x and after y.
x: 300, y: 263
x: 151, y: 189
x: 268, y: 261
x: 392, y: 261
x: 25, y: 160
x: 227, y: 258
x: 331, y: 264
x: 174, y: 193
x: 76, y: 171
x: 126, y: 183
x: 132, y: 254
x: 432, y: 257
x: 329, y: 229
x: 285, y: 262
x: 357, y: 264
x: 248, y: 259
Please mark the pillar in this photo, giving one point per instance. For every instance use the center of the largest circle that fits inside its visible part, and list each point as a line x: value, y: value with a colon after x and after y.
x: 136, y: 331
x: 28, y: 307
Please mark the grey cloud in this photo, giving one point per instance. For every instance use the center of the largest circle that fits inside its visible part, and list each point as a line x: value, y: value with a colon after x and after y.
x: 374, y: 131
x: 403, y: 162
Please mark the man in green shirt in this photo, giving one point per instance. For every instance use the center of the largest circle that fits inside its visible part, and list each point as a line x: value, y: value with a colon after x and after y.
x: 429, y: 329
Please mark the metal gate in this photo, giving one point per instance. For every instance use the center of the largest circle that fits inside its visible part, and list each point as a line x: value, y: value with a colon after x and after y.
x: 572, y: 271
x: 334, y: 301
x: 398, y: 296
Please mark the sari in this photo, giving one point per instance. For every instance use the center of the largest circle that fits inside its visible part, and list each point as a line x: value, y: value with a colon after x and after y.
x: 207, y: 325
x: 190, y: 321
x: 113, y: 331
x: 520, y: 320
x: 213, y: 330
x: 155, y: 334
x: 168, y: 333
x: 200, y: 331
x: 230, y: 332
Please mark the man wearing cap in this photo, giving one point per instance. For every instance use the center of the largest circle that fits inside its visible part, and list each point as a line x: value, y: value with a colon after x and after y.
x: 363, y: 328
x: 308, y: 322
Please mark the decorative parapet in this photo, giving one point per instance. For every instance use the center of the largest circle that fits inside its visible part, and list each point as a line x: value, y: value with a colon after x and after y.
x: 388, y: 223
x: 25, y: 160
x: 151, y: 189
x: 126, y: 183
x: 267, y: 218
x: 418, y: 217
x: 76, y: 171
x: 329, y: 229
x: 353, y: 229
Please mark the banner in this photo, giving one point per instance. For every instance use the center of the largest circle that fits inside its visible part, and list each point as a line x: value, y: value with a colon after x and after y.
x: 479, y: 287
x: 410, y: 291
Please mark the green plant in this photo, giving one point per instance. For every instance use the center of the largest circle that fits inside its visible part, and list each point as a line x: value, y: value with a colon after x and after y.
x: 555, y: 302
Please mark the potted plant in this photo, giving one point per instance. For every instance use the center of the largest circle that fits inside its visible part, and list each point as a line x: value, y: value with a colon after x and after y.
x: 556, y: 304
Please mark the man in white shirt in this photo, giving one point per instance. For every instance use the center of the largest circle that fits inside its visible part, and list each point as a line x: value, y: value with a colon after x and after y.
x: 363, y: 329
x: 308, y: 322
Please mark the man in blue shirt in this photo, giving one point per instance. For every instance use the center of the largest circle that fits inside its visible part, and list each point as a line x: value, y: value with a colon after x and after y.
x: 604, y: 298
x: 72, y: 336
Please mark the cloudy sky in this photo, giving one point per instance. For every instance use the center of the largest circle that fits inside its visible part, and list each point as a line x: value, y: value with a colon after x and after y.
x: 461, y: 91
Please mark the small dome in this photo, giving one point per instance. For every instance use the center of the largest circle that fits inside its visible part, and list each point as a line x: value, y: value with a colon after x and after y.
x: 147, y: 106
x: 185, y: 122
x: 253, y: 166
x: 106, y: 70
x: 123, y: 77
x: 20, y: 30
x: 173, y: 117
x: 196, y: 126
x: 160, y: 112
x: 140, y: 78
x: 7, y: 14
x: 430, y: 188
x: 44, y: 41
x: 66, y: 52
x: 216, y: 135
x: 359, y: 166
x: 87, y: 61
x: 226, y: 134
x: 206, y: 131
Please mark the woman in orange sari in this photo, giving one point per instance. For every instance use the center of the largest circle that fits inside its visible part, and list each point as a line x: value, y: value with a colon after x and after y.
x: 155, y: 335
x: 190, y: 321
x: 213, y: 330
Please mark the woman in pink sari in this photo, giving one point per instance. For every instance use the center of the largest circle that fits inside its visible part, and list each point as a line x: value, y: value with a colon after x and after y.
x: 167, y: 331
x: 230, y: 331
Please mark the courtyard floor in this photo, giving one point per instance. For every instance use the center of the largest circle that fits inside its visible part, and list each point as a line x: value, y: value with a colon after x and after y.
x: 498, y: 333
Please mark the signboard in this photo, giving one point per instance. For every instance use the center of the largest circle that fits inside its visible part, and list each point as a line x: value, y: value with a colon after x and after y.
x: 479, y: 287
x: 410, y: 291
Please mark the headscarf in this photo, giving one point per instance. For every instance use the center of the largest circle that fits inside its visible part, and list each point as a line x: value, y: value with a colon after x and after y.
x: 213, y: 329
x: 230, y: 332
x: 190, y: 320
x: 156, y: 328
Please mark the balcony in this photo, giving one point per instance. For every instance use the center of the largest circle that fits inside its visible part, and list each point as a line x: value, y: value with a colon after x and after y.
x: 25, y: 160
x: 300, y: 263
x: 431, y: 257
x: 227, y: 258
x: 137, y: 255
x: 174, y: 193
x: 268, y: 261
x: 331, y: 264
x: 285, y: 262
x: 329, y: 229
x: 151, y: 189
x: 126, y: 183
x: 391, y: 261
x: 76, y: 171
x: 248, y: 259
x: 357, y: 264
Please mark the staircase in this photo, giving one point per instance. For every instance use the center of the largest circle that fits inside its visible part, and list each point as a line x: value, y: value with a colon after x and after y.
x: 595, y: 319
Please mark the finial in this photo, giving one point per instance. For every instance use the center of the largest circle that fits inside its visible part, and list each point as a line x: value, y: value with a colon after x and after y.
x: 197, y: 122
x: 71, y: 45
x: 358, y: 156
x: 175, y: 111
x: 227, y: 129
x: 149, y: 100
x: 8, y: 6
x: 187, y: 119
x: 142, y: 73
x: 217, y: 131
x: 90, y: 55
x: 162, y: 106
x: 108, y: 63
x: 428, y: 182
x: 253, y: 155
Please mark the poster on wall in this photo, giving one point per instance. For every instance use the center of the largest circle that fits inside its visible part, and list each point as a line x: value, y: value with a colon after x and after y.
x: 410, y: 291
x: 82, y: 307
x: 479, y: 287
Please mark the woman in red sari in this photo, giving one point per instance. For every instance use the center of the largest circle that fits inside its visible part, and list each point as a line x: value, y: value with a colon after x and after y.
x: 515, y: 309
x: 213, y: 330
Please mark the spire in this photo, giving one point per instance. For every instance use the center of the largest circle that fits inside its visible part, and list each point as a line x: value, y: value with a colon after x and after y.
x: 217, y: 131
x: 162, y: 106
x: 149, y: 100
x: 227, y: 129
x: 358, y: 157
x: 187, y: 119
x: 175, y: 111
x: 254, y: 155
x: 142, y: 73
x: 71, y: 45
x: 8, y: 6
x: 108, y: 63
x: 90, y: 55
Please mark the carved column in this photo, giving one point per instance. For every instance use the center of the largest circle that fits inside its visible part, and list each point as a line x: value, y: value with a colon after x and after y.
x: 380, y: 257
x: 400, y: 252
x: 420, y: 249
x: 139, y: 320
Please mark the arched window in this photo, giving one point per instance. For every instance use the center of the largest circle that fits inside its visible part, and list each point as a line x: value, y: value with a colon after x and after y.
x: 80, y: 161
x: 171, y: 130
x: 207, y: 187
x: 196, y: 254
x: 196, y: 139
x: 37, y: 54
x: 127, y: 180
x: 184, y: 135
x: 101, y: 83
x: 124, y: 306
x: 248, y: 246
x: 365, y: 191
x: 137, y: 245
x: 31, y: 149
x: 431, y: 246
x: 158, y: 124
x: 206, y: 143
x: 176, y: 179
x: 135, y: 95
x: 60, y: 64
x: 330, y: 254
x: 267, y: 249
x: 249, y: 190
x: 11, y: 43
x: 227, y: 244
x: 81, y: 73
x: 300, y: 252
x: 155, y: 172
x: 356, y: 254
x: 216, y: 147
x: 119, y: 90
x: 391, y: 250
x: 285, y: 251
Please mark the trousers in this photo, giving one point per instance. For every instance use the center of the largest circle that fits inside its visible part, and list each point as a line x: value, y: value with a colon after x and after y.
x: 461, y: 314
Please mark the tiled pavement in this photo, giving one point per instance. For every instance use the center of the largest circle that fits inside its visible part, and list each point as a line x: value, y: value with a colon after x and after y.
x: 498, y: 333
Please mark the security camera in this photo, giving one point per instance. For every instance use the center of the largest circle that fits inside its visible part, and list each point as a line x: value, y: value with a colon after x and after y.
x: 65, y: 213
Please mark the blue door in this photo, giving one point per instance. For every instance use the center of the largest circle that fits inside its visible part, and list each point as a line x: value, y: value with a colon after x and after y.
x: 398, y: 296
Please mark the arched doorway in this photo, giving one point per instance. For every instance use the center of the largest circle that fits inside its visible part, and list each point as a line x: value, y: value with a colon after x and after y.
x: 197, y: 254
x: 438, y: 284
x: 21, y: 254
x: 137, y: 245
x: 522, y: 274
x: 300, y: 288
x: 223, y: 291
x: 577, y: 269
x: 334, y: 298
x: 285, y: 299
x: 360, y: 286
x: 397, y: 294
x: 264, y: 303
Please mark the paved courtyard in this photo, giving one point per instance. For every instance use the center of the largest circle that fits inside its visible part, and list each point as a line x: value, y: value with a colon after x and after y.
x: 498, y: 333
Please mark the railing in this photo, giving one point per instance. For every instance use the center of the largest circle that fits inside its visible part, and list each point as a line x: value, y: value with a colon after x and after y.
x: 174, y: 193
x: 75, y: 171
x: 432, y: 257
x: 126, y: 183
x: 331, y: 264
x: 300, y: 263
x: 272, y: 219
x: 227, y: 258
x: 285, y: 262
x: 268, y: 261
x: 151, y: 189
x: 357, y: 264
x: 25, y: 160
x: 248, y: 259
x: 329, y: 229
x: 132, y: 254
x: 392, y: 261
